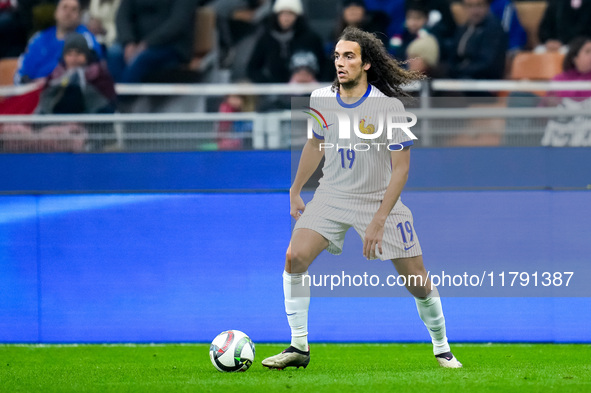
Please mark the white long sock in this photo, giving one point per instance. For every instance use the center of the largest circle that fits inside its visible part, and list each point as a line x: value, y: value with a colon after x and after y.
x: 431, y: 313
x: 297, y: 301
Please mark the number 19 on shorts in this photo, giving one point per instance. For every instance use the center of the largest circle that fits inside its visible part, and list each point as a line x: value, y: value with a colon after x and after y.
x: 407, y: 233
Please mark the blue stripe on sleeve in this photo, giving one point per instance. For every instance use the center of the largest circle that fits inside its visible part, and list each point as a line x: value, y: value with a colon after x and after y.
x: 317, y: 136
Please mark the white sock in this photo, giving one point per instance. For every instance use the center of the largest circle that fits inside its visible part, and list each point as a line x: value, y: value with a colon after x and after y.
x: 297, y: 301
x: 431, y: 313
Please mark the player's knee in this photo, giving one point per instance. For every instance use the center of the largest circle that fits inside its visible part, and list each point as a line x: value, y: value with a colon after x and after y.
x: 419, y: 292
x: 299, y: 260
x: 418, y: 286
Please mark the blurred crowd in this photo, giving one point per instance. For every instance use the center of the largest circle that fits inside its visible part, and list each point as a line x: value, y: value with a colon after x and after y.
x: 66, y: 44
x: 280, y: 41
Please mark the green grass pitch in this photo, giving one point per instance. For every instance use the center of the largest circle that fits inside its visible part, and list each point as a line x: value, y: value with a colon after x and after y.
x: 333, y: 368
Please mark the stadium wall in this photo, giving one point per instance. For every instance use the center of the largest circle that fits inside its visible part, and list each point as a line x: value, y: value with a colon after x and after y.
x: 106, y: 266
x: 431, y: 169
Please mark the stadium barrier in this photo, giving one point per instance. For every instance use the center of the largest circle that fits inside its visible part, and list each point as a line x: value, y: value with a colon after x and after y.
x: 214, y: 89
x: 436, y: 127
x: 172, y: 267
x: 432, y: 169
x: 505, y: 121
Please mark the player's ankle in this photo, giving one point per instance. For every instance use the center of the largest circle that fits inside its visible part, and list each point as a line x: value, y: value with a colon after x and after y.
x: 300, y: 343
x: 439, y: 349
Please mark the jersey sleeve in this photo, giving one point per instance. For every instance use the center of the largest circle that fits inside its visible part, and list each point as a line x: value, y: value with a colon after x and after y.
x: 402, y: 135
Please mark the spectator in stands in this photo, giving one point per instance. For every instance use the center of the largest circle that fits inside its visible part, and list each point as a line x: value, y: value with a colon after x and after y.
x: 440, y: 21
x: 354, y: 13
x: 45, y: 48
x: 153, y: 37
x: 423, y: 55
x: 577, y: 67
x: 505, y: 11
x: 480, y: 45
x: 414, y: 27
x: 394, y: 10
x: 286, y: 34
x: 563, y: 21
x: 236, y: 20
x: 80, y: 83
x: 101, y: 20
x: 229, y: 131
x: 303, y: 67
x: 15, y: 22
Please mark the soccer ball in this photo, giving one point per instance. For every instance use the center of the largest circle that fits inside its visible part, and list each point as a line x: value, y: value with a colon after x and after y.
x: 231, y: 351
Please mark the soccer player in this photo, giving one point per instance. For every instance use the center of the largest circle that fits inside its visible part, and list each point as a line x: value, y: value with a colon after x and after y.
x: 359, y: 189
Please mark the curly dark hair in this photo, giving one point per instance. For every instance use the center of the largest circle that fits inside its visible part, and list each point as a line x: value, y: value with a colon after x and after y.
x: 385, y: 72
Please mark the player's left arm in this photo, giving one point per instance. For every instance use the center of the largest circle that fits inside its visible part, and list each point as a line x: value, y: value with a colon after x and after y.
x: 375, y: 230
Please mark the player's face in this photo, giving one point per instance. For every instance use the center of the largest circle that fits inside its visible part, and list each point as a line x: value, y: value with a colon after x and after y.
x: 67, y: 14
x: 347, y: 60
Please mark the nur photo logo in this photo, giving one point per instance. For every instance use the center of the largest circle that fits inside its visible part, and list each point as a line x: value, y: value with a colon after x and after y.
x: 368, y: 130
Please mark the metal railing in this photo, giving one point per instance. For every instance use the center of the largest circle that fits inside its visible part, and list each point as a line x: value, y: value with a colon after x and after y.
x: 437, y: 85
x: 437, y: 125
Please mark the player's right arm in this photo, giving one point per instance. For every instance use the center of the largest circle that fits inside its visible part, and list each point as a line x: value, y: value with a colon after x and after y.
x: 311, y: 157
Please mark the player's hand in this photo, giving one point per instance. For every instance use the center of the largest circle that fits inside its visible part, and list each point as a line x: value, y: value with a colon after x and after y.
x: 373, y: 237
x: 297, y: 206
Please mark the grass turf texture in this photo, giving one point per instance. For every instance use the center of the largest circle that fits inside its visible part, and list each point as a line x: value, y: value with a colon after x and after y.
x: 333, y: 368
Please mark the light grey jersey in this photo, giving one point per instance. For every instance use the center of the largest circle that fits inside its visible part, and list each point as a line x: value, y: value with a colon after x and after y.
x: 357, y: 165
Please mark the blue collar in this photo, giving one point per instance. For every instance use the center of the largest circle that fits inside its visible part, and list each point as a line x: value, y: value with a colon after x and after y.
x: 355, y: 104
